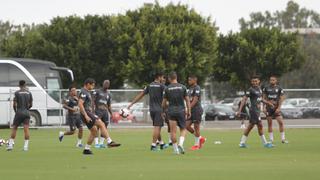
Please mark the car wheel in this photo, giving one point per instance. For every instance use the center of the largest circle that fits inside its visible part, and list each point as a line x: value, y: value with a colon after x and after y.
x: 35, y: 119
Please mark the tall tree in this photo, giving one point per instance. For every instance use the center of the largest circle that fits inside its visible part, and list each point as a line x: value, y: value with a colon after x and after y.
x: 258, y: 51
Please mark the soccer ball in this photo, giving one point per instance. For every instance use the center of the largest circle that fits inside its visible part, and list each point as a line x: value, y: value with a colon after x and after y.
x: 124, y: 112
x: 2, y: 142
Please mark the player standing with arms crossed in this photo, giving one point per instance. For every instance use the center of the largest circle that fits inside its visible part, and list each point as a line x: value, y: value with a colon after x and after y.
x: 177, y: 96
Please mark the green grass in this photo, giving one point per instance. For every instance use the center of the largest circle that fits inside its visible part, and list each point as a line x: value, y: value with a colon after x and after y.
x: 49, y: 159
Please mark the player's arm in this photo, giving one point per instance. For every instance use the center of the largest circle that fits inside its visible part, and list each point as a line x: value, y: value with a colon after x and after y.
x: 282, y: 98
x: 187, y: 99
x: 136, y: 99
x: 264, y: 106
x: 243, y: 102
x: 30, y: 101
x: 82, y: 110
x: 14, y: 104
x: 194, y: 101
x: 65, y: 106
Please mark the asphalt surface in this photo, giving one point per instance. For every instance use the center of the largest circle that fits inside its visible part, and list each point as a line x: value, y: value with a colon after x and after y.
x: 234, y: 124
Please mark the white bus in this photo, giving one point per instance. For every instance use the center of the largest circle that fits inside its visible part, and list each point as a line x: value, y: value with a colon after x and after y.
x: 43, y: 80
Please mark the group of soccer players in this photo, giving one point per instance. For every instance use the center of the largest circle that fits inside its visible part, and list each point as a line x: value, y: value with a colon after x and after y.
x: 269, y: 99
x: 178, y: 107
x: 172, y: 103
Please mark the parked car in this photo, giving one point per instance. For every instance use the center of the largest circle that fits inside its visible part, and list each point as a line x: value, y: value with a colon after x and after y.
x: 291, y: 108
x: 227, y: 101
x: 311, y: 110
x: 288, y: 103
x: 219, y: 112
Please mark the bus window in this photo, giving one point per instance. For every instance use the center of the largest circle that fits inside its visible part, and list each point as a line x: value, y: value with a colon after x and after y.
x: 53, y: 88
x: 15, y: 75
x: 4, y: 74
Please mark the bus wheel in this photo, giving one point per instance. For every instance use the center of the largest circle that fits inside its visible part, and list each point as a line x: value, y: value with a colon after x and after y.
x: 35, y: 119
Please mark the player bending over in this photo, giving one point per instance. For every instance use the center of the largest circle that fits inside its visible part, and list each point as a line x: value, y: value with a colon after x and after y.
x: 176, y: 95
x: 254, y: 93
x: 194, y: 92
x: 73, y: 117
x: 89, y: 118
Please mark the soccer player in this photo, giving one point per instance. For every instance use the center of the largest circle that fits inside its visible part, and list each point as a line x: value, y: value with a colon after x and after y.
x: 254, y: 93
x: 177, y: 96
x: 155, y: 91
x: 103, y: 108
x: 274, y: 95
x: 22, y: 103
x: 73, y: 117
x: 196, y: 112
x: 90, y: 119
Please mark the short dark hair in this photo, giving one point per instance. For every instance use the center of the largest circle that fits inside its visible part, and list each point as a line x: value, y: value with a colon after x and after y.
x: 255, y: 77
x: 273, y: 75
x: 89, y: 81
x: 22, y: 83
x: 158, y: 74
x: 173, y: 75
x: 71, y: 87
x: 192, y: 76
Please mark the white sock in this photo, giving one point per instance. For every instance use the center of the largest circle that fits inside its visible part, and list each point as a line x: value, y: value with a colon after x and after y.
x: 263, y: 139
x: 96, y: 140
x: 283, y: 137
x: 181, y: 141
x: 175, y: 147
x: 271, y: 136
x: 87, y: 147
x: 109, y: 140
x: 161, y: 142
x: 169, y: 139
x: 153, y: 144
x: 102, y: 140
x: 26, y: 143
x: 79, y: 141
x: 11, y: 142
x: 243, y: 139
x: 197, y: 140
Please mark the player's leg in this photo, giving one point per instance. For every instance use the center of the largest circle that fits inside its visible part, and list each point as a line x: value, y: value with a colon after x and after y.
x: 245, y: 135
x: 270, y: 129
x: 16, y: 122
x: 72, y: 128
x: 158, y: 123
x: 262, y: 136
x: 80, y: 132
x: 183, y: 131
x: 26, y: 135
x: 168, y: 130
x: 92, y: 134
x: 173, y: 135
x: 105, y: 134
x: 279, y: 119
x: 155, y: 137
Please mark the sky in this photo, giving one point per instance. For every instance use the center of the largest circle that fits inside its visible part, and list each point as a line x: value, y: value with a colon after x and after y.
x: 225, y: 13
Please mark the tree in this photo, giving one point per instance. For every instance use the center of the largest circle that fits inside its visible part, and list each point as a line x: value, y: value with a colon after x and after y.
x: 258, y: 51
x: 170, y: 38
x: 292, y: 17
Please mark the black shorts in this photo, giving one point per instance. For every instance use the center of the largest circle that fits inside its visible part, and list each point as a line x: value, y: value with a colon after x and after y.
x: 103, y: 115
x: 254, y: 117
x: 180, y: 117
x: 196, y: 116
x: 21, y: 117
x: 93, y: 118
x: 271, y: 112
x: 74, y: 121
x: 157, y: 119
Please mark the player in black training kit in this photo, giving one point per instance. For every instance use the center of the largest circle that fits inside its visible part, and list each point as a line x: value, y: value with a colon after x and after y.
x: 255, y: 95
x: 22, y: 103
x: 89, y: 118
x: 73, y: 116
x: 155, y: 91
x: 275, y: 96
x: 103, y: 109
x: 194, y: 92
x: 177, y: 96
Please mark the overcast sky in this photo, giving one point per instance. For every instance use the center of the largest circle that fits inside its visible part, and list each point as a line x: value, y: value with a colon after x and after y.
x: 225, y: 13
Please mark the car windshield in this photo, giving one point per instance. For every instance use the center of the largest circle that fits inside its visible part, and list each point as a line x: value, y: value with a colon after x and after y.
x: 221, y: 108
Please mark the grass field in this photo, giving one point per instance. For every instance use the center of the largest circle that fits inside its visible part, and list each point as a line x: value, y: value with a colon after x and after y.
x: 50, y: 159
